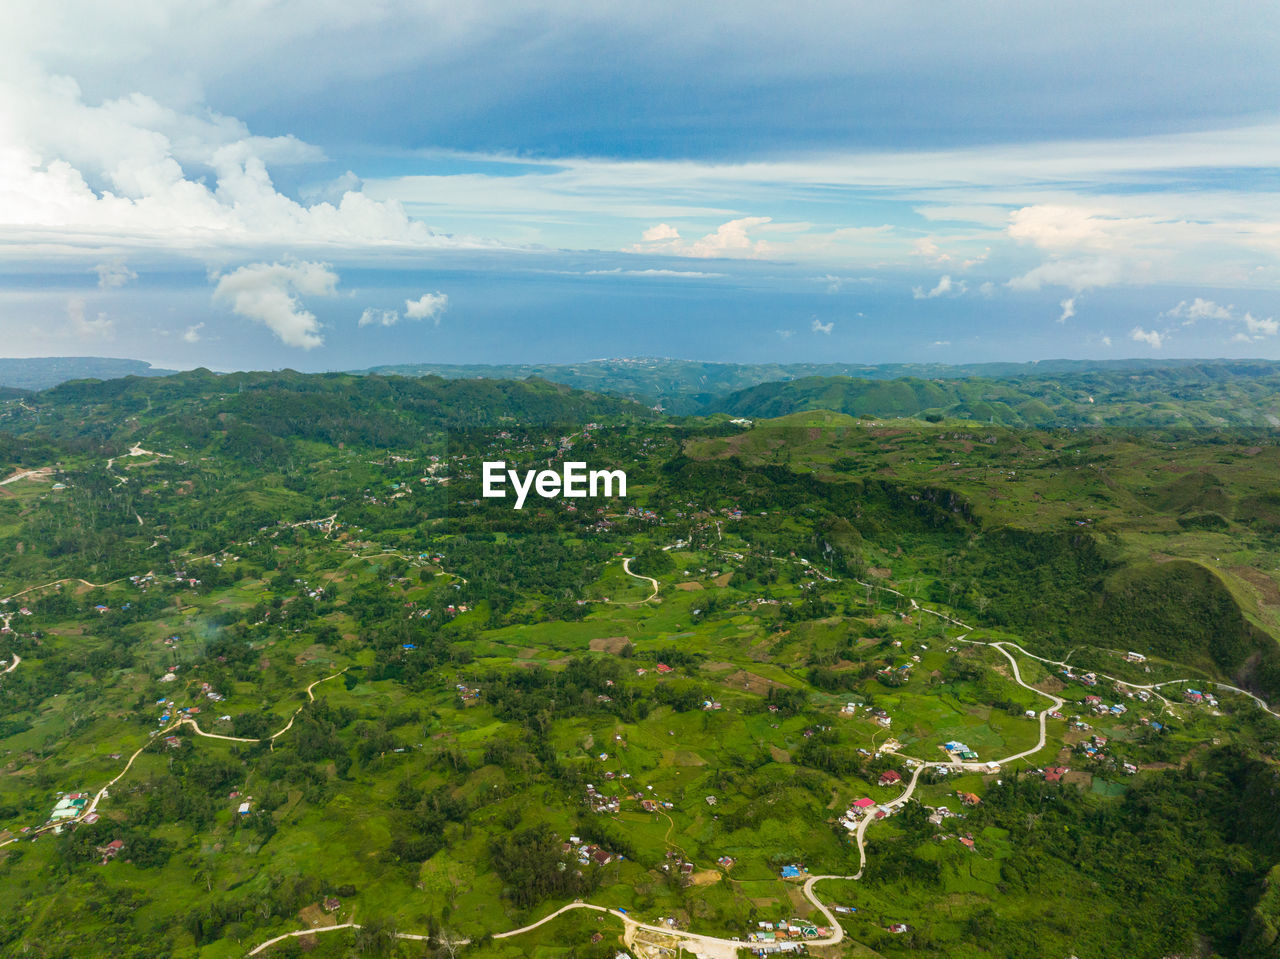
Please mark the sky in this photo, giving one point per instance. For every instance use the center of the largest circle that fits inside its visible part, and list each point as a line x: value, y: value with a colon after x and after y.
x: 318, y: 185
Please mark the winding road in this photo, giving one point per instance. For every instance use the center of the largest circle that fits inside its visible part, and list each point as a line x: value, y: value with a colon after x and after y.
x: 103, y: 793
x: 712, y: 945
x: 626, y: 568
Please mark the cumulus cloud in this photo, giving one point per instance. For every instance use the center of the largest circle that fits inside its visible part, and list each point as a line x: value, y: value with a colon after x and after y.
x: 656, y: 234
x: 1200, y: 309
x: 731, y: 239
x: 267, y: 293
x: 1106, y: 341
x: 192, y: 334
x: 786, y: 334
x: 928, y: 248
x: 1152, y: 338
x: 83, y: 328
x: 1255, y: 328
x: 113, y: 275
x: 817, y: 326
x: 429, y: 306
x: 1260, y: 328
x: 372, y: 317
x: 131, y: 171
x: 945, y: 287
x: 1068, y: 309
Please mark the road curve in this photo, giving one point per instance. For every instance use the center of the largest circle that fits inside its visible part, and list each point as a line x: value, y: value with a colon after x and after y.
x: 626, y: 568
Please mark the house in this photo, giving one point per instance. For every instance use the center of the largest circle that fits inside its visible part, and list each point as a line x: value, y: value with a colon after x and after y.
x: 711, y: 800
x: 1054, y: 774
x: 790, y: 872
x: 1133, y: 657
x: 864, y: 803
x: 966, y: 840
x: 331, y: 904
x: 664, y: 668
x: 111, y: 850
x: 244, y: 809
x: 1193, y: 696
x: 889, y: 777
x: 969, y: 799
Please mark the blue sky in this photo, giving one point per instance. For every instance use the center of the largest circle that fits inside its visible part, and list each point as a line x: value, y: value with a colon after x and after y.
x: 332, y: 185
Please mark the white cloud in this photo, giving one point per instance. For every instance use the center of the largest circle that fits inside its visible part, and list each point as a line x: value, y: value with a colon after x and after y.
x: 656, y: 234
x: 267, y: 293
x: 946, y: 287
x: 940, y: 343
x: 1255, y: 328
x: 1068, y: 309
x: 131, y: 172
x: 928, y: 248
x: 192, y: 334
x: 86, y: 329
x: 1260, y: 328
x: 372, y: 317
x: 1106, y: 341
x: 678, y: 274
x: 429, y: 306
x: 1152, y: 338
x: 786, y: 334
x: 1200, y: 309
x: 817, y: 326
x: 731, y: 239
x: 113, y: 274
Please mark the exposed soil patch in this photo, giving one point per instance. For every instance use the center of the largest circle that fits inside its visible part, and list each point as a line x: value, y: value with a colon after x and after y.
x: 1078, y: 777
x: 751, y: 682
x: 723, y: 579
x: 609, y: 644
x: 689, y: 587
x: 1264, y: 584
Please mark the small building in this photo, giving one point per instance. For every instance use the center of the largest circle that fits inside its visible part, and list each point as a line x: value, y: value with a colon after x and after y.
x: 889, y: 777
